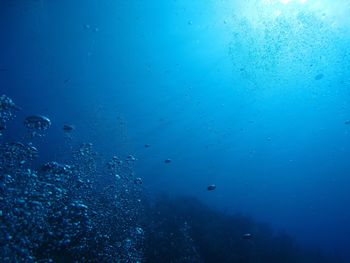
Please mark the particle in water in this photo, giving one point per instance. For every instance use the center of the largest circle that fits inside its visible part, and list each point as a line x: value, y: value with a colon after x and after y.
x: 319, y: 76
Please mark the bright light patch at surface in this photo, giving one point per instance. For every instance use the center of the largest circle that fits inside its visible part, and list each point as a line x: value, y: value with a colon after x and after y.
x: 262, y: 12
x: 285, y: 2
x: 291, y: 39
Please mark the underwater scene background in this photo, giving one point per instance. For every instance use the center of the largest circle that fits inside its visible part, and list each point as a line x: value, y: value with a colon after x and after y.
x: 174, y: 131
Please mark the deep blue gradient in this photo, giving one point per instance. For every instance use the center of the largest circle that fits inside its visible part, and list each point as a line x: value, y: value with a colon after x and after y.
x: 252, y: 96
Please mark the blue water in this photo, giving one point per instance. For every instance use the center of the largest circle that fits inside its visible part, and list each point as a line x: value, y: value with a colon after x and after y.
x: 252, y: 96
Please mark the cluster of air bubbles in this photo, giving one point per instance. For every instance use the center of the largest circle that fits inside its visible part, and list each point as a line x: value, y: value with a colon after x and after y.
x: 85, y: 149
x: 133, y: 246
x: 56, y: 168
x: 37, y: 125
x: 66, y: 212
x: 7, y: 111
x: 16, y: 154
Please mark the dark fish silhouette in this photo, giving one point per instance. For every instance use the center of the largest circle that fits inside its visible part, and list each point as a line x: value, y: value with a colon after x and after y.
x: 68, y: 128
x: 247, y: 236
x: 211, y: 187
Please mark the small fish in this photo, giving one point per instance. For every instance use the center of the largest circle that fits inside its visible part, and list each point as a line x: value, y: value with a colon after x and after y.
x: 167, y: 161
x: 247, y: 236
x: 211, y: 187
x: 68, y: 128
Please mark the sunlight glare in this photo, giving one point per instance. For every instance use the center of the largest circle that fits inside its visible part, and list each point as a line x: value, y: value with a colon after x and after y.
x: 284, y: 2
